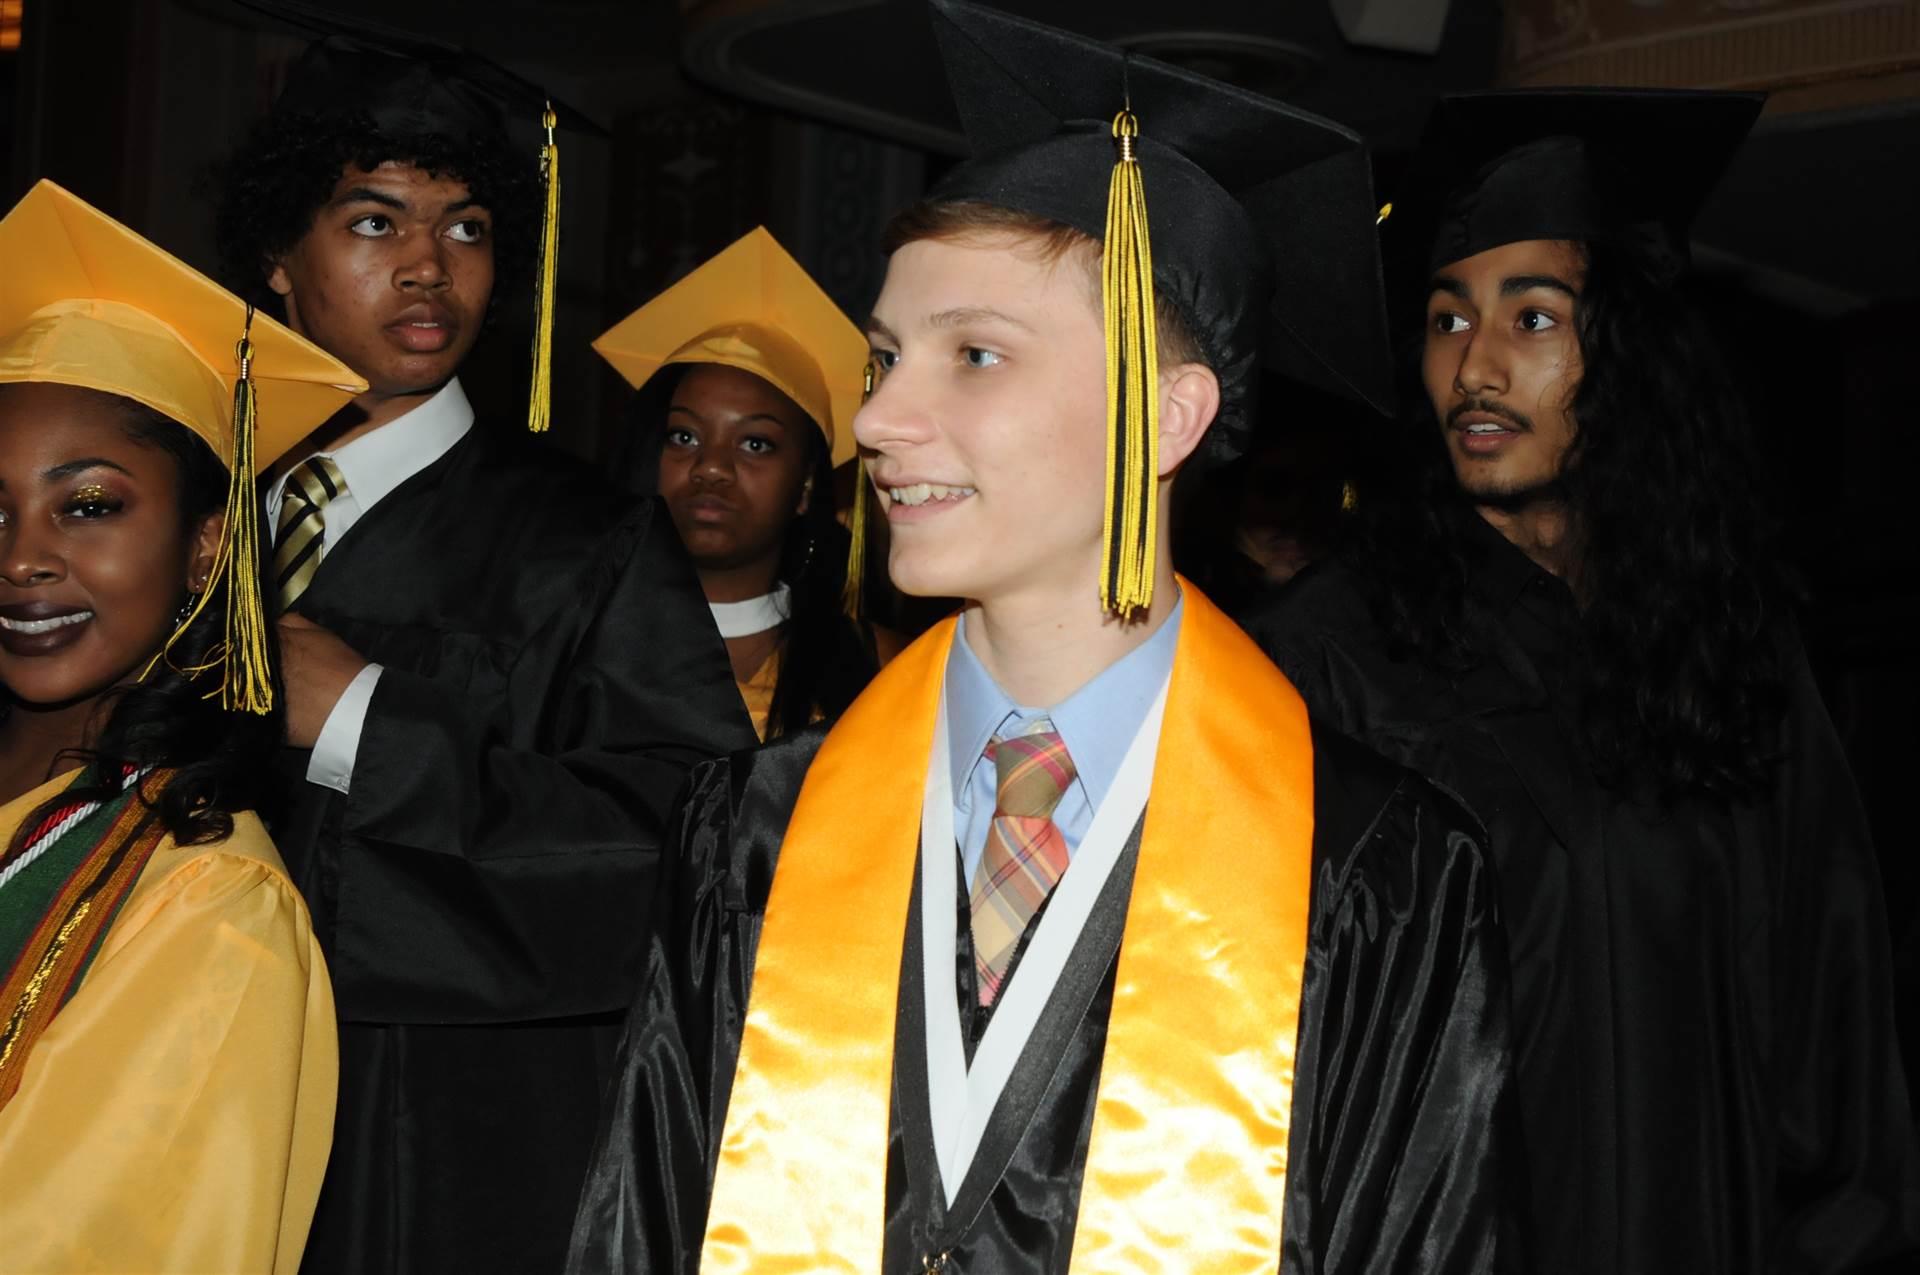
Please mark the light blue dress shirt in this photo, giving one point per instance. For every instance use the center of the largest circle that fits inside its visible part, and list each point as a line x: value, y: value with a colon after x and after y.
x: 1097, y: 723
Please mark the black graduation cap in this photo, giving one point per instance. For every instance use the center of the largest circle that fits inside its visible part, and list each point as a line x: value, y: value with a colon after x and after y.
x: 1261, y: 221
x: 1262, y: 216
x: 413, y: 87
x: 1502, y: 166
x: 410, y: 85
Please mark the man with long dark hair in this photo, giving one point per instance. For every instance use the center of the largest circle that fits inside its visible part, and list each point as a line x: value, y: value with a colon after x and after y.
x: 1566, y: 613
x: 499, y: 670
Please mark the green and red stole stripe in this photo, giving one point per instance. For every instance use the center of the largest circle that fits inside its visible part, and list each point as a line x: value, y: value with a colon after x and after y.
x: 60, y: 893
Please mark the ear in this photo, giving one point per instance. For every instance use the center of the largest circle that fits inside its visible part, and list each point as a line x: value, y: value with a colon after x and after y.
x: 806, y: 497
x: 1189, y: 400
x: 203, y: 548
x: 279, y: 280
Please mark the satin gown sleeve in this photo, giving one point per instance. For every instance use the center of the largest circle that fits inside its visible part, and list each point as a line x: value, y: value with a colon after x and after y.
x: 489, y: 849
x: 644, y: 1205
x: 1406, y: 1148
x: 1848, y: 1175
x: 175, y: 1117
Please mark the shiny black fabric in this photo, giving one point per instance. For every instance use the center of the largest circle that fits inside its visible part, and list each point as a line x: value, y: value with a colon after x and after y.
x: 1702, y: 1008
x: 551, y: 674
x: 1400, y: 1159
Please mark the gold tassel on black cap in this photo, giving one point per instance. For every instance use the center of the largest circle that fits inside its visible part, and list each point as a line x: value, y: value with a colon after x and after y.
x: 850, y: 596
x: 1133, y: 385
x: 246, y: 682
x: 540, y: 400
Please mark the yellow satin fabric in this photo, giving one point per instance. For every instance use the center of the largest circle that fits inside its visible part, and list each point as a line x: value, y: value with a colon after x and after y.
x: 802, y: 1177
x: 176, y: 1115
x: 1187, y: 1168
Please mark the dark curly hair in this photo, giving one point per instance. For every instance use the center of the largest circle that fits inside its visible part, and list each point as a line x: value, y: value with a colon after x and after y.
x: 221, y: 759
x: 1684, y: 605
x: 269, y: 190
x: 826, y: 660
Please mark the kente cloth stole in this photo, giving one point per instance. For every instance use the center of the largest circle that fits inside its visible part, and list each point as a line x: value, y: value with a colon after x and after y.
x: 1186, y: 1169
x: 60, y: 895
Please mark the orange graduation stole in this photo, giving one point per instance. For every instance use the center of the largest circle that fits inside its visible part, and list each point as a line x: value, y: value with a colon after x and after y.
x: 1187, y: 1166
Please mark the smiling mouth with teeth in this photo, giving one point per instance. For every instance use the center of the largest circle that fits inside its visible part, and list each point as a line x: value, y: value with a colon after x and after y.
x: 44, y: 626
x: 924, y: 493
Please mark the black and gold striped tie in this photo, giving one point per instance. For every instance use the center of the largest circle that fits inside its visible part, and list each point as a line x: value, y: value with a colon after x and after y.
x: 300, y: 539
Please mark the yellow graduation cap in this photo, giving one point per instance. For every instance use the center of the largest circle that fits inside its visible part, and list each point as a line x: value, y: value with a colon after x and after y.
x: 85, y: 301
x: 754, y: 308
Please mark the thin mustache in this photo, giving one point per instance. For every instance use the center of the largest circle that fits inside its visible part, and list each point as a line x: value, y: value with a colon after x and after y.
x: 1489, y: 409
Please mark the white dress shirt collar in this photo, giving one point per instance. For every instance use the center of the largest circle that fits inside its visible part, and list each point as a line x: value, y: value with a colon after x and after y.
x: 380, y: 460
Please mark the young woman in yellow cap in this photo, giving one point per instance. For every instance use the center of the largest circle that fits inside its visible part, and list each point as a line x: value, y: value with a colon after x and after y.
x: 750, y: 376
x: 167, y: 1044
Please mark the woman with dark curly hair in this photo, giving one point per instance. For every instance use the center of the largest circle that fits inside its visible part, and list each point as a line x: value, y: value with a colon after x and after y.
x: 1562, y: 605
x: 749, y: 376
x: 167, y: 1045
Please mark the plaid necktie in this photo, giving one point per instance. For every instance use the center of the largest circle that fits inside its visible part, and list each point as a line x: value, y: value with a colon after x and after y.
x: 1026, y: 853
x: 299, y: 541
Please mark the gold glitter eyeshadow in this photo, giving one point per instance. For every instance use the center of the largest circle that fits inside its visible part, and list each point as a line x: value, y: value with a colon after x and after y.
x: 89, y: 494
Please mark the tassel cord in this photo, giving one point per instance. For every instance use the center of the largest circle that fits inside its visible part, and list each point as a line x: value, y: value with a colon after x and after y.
x: 540, y: 395
x: 246, y: 680
x: 851, y: 598
x: 1133, y: 398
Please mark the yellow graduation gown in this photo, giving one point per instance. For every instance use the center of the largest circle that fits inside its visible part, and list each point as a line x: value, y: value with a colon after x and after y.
x: 176, y: 1114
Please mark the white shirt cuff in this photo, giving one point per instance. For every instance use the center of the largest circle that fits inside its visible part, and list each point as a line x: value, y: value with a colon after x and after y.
x: 331, y: 763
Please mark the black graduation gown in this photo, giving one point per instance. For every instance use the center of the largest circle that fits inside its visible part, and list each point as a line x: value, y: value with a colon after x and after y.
x: 551, y: 674
x: 1702, y: 1006
x: 1397, y: 1157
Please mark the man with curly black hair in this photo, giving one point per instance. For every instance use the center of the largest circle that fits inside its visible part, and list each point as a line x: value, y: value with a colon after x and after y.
x: 1568, y: 616
x: 499, y: 670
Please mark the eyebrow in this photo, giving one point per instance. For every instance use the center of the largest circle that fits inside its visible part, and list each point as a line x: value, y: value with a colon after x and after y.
x: 69, y: 468
x: 1511, y: 286
x: 875, y: 327
x: 684, y: 410
x: 960, y: 316
x: 1515, y: 285
x: 368, y: 195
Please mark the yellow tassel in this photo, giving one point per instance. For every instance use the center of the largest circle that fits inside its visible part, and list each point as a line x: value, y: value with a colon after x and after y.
x: 540, y: 400
x: 246, y: 681
x: 1133, y: 385
x: 850, y: 596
